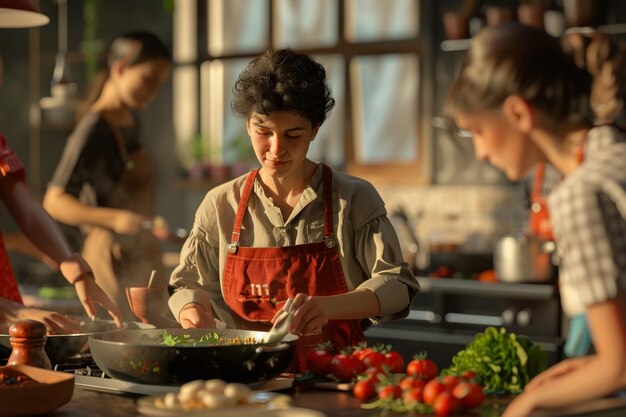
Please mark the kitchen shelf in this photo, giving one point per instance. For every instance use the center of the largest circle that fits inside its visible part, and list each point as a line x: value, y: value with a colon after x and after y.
x: 492, y: 289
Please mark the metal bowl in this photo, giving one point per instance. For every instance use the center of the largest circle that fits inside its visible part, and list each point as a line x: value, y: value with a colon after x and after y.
x: 62, y: 346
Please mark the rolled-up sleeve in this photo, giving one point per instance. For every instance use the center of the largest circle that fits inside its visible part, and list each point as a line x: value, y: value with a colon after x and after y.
x: 391, y: 279
x: 196, y: 279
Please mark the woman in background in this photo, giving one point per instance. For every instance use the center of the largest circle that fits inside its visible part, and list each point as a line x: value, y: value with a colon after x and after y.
x: 37, y: 226
x: 293, y: 229
x: 527, y: 98
x: 105, y: 181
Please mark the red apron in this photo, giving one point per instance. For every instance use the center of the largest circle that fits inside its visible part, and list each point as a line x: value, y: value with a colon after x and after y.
x: 257, y: 279
x: 539, y: 216
x: 540, y: 224
x: 10, y: 164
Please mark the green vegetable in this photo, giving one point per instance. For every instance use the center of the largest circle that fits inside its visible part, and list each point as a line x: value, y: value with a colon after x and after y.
x: 167, y: 339
x: 502, y: 361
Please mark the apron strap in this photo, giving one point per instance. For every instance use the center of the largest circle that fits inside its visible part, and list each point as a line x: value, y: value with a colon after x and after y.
x: 328, y: 202
x: 247, y: 190
x: 241, y: 211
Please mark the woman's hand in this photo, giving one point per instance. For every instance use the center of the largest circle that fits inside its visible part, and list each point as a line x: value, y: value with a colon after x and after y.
x: 89, y: 292
x: 56, y: 323
x: 194, y: 315
x: 521, y: 406
x: 78, y: 273
x: 308, y: 316
x: 126, y: 222
x: 556, y: 371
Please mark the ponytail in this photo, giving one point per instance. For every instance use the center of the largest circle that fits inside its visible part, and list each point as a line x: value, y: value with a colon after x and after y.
x: 605, y: 60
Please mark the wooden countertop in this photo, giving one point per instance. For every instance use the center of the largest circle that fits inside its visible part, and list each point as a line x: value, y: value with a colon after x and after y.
x: 87, y: 403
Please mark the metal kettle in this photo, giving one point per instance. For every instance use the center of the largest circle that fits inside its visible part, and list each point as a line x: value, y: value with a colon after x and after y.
x: 524, y: 258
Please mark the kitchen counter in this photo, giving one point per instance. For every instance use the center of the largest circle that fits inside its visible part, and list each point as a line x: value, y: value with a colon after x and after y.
x: 87, y: 403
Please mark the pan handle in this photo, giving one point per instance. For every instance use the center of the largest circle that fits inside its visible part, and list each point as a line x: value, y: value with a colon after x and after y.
x: 271, y: 348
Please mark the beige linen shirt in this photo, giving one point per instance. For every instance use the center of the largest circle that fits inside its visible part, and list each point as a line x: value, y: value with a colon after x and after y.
x: 368, y: 246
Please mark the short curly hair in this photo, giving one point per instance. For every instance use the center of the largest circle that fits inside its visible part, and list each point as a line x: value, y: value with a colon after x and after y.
x: 283, y: 80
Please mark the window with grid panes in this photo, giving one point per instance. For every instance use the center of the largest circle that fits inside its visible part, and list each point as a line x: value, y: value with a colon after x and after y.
x: 373, y: 55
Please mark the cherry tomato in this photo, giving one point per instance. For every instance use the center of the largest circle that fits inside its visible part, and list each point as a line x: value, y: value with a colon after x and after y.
x: 411, y: 382
x: 389, y: 391
x: 445, y: 404
x: 372, y: 373
x: 450, y: 381
x: 468, y: 375
x: 374, y: 359
x: 360, y: 351
x: 422, y: 368
x: 364, y: 389
x: 432, y: 389
x: 394, y: 361
x: 345, y: 367
x: 470, y: 394
x: 318, y: 361
x: 413, y: 395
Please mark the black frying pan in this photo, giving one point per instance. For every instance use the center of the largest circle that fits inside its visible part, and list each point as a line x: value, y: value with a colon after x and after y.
x: 133, y: 355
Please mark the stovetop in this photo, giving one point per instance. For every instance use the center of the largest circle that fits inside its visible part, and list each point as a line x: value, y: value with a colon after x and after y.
x: 88, y: 375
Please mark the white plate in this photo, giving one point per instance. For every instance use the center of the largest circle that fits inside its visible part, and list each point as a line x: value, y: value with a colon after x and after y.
x: 262, y: 403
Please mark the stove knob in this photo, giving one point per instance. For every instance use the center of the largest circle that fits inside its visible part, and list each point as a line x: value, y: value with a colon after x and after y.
x: 508, y: 317
x: 523, y: 318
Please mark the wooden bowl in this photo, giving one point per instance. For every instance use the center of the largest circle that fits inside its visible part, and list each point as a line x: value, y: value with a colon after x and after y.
x: 52, y: 390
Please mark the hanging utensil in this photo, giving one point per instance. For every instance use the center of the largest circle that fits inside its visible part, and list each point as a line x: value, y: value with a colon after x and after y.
x: 60, y: 106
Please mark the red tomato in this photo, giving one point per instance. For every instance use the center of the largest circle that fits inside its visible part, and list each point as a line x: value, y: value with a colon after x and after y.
x: 364, y: 389
x: 470, y: 395
x: 372, y: 373
x: 469, y: 375
x: 450, y: 381
x: 411, y: 382
x: 389, y: 391
x: 413, y: 395
x: 394, y: 361
x: 422, y: 368
x: 345, y: 367
x: 318, y: 361
x: 374, y: 359
x: 432, y: 389
x: 361, y: 351
x: 445, y: 404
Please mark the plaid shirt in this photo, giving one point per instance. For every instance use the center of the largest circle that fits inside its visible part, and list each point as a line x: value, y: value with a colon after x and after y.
x: 588, y: 213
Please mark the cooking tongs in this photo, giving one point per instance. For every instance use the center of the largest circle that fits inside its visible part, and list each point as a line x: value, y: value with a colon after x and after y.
x: 281, y: 325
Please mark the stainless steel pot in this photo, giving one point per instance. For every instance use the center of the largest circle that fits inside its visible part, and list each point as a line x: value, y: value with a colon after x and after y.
x: 524, y: 258
x: 140, y: 356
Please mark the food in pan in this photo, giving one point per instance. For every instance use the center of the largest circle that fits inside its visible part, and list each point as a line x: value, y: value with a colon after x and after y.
x: 207, y: 339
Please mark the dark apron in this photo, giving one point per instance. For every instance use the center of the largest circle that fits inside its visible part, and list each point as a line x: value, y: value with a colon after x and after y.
x: 120, y: 261
x: 257, y: 279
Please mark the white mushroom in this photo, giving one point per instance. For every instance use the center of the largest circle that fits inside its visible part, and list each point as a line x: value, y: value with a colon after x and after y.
x: 238, y: 392
x: 216, y: 400
x: 215, y: 386
x: 171, y: 400
x: 188, y: 391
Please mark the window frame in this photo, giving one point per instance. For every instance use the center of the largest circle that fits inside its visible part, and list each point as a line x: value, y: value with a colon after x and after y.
x: 418, y: 171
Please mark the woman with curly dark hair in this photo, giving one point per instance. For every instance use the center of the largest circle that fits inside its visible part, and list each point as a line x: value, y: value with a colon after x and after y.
x: 292, y: 229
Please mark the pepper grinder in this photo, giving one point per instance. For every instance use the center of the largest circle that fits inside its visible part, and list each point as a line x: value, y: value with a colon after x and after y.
x: 28, y: 338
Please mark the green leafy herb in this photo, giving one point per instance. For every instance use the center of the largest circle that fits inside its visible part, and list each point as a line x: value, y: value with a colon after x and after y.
x: 502, y: 361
